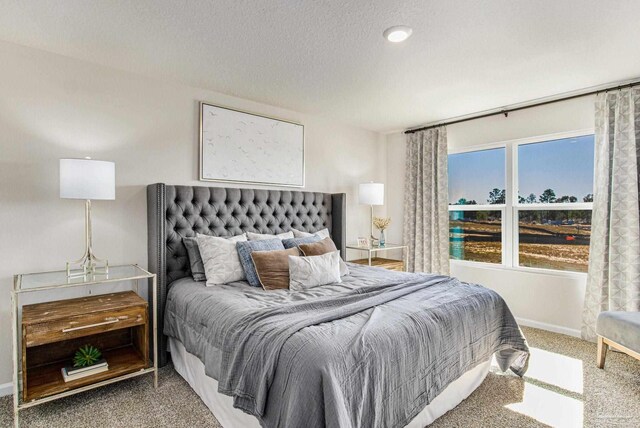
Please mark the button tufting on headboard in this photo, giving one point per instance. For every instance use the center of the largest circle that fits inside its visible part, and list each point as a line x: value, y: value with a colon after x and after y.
x: 175, y: 212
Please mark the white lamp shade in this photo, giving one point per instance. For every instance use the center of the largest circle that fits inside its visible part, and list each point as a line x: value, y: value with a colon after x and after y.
x: 371, y: 194
x: 87, y: 179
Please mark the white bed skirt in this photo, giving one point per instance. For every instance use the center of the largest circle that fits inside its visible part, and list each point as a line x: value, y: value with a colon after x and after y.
x: 192, y: 370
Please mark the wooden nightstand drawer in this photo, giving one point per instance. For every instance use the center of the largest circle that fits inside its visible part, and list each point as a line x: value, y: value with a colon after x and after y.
x: 83, y: 325
x: 67, y: 319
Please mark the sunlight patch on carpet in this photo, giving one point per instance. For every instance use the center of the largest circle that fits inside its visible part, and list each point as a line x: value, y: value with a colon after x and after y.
x: 557, y: 370
x: 549, y: 407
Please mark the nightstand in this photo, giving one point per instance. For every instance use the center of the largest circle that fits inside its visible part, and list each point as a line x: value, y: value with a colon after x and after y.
x: 371, y: 260
x: 46, y: 335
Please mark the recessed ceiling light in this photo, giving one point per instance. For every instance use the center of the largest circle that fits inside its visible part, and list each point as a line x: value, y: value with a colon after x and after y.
x: 397, y: 33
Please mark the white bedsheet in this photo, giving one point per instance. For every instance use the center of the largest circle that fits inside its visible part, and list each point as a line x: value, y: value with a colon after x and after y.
x: 192, y: 370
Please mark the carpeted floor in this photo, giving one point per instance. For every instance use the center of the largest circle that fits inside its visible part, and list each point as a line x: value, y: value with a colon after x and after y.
x: 562, y: 388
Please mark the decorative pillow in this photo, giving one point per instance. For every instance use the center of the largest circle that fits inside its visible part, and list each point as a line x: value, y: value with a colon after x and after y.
x: 220, y: 258
x: 272, y: 267
x: 323, y: 247
x: 195, y: 259
x: 245, y: 248
x: 294, y: 242
x: 311, y: 271
x: 324, y: 233
x: 260, y: 236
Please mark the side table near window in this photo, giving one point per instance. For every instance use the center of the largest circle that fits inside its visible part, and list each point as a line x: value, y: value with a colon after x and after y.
x: 372, y: 260
x: 46, y: 335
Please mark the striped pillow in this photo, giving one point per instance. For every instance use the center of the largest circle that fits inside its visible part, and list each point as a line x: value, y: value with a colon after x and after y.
x: 245, y: 248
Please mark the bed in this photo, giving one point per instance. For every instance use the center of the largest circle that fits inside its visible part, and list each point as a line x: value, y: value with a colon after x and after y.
x: 380, y: 349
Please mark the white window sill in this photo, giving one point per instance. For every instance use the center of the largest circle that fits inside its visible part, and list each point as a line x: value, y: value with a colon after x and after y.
x: 522, y: 269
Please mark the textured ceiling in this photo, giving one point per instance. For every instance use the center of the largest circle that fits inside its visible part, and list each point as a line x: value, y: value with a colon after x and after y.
x: 329, y: 57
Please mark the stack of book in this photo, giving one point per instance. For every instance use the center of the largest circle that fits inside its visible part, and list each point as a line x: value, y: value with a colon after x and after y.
x: 70, y: 373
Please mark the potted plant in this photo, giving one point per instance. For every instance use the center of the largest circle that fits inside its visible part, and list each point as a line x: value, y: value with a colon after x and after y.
x: 87, y: 361
x: 86, y: 356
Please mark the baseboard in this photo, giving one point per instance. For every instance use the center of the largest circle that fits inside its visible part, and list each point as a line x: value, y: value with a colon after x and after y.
x: 6, y: 389
x: 549, y: 327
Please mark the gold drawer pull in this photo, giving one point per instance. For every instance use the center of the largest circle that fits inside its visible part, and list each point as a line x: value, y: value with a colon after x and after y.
x: 66, y: 330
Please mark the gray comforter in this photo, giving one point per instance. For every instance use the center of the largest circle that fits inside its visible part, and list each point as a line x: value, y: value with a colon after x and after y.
x: 370, y: 352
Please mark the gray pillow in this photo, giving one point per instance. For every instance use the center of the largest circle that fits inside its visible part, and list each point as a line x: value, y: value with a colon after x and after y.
x: 294, y: 242
x: 195, y: 259
x: 312, y: 271
x: 245, y: 248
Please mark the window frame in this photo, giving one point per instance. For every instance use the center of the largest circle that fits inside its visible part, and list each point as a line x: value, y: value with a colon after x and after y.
x: 510, y: 211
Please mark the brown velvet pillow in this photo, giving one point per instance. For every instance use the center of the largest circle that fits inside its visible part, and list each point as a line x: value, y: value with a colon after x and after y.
x: 318, y: 248
x: 323, y: 247
x: 272, y: 267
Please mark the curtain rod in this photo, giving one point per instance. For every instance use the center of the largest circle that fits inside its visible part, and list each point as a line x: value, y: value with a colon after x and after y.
x: 505, y: 111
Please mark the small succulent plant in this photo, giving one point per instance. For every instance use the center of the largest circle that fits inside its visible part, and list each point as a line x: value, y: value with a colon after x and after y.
x: 86, y: 356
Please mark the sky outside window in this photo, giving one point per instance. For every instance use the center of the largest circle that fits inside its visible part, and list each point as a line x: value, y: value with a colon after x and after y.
x: 565, y: 166
x: 473, y: 175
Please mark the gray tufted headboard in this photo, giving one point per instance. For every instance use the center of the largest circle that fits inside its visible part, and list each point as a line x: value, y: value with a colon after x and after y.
x: 175, y: 212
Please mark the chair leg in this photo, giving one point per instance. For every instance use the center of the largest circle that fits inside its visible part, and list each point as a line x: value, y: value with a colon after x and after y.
x: 602, y: 352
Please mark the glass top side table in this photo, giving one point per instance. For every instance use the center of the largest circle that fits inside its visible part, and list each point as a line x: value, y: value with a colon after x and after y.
x: 24, y: 283
x: 42, y: 281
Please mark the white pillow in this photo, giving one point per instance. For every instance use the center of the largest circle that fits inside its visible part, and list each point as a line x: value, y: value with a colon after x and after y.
x: 220, y: 259
x: 324, y: 233
x: 307, y: 272
x: 260, y: 236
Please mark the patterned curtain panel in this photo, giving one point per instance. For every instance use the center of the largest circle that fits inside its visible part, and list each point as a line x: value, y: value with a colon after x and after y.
x: 613, y: 283
x: 426, y: 215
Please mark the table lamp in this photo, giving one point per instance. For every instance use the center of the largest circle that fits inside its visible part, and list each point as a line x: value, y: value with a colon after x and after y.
x: 371, y: 194
x: 87, y: 179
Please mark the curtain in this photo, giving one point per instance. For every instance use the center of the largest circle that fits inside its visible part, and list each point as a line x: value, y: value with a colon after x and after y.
x: 426, y: 215
x: 613, y: 282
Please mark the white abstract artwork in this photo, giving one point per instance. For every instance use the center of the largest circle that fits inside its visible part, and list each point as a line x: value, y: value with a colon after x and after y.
x: 243, y: 147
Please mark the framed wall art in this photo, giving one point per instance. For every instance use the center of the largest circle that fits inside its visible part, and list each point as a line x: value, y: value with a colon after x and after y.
x: 241, y: 147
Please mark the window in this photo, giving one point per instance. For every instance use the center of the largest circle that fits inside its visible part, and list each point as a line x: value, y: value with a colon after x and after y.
x: 557, y: 239
x: 523, y: 204
x: 476, y: 236
x: 471, y: 174
x: 476, y: 189
x: 558, y: 171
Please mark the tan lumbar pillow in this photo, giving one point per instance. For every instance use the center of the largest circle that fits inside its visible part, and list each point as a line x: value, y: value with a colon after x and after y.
x: 323, y: 247
x: 272, y: 267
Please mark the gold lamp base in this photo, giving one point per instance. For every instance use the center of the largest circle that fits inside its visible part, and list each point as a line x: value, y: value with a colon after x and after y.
x: 88, y: 264
x: 374, y: 241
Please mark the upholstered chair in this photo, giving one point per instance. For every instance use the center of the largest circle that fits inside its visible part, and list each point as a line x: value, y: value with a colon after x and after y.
x: 619, y: 330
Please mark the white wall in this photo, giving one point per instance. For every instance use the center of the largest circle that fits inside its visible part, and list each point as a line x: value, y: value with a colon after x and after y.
x: 52, y: 107
x: 552, y: 301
